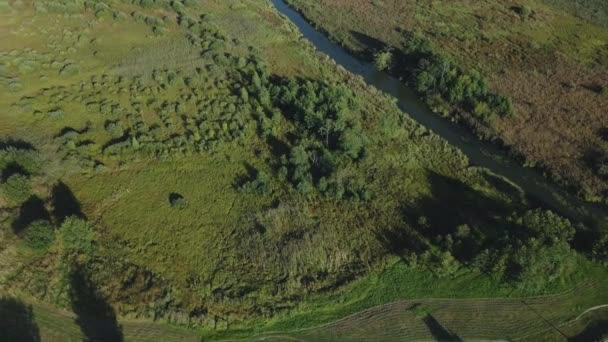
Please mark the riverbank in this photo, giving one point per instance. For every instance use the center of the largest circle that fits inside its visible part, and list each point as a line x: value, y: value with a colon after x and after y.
x: 480, y: 153
x: 565, y: 160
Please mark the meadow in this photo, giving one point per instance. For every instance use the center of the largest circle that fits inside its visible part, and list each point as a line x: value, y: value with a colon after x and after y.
x: 198, y: 165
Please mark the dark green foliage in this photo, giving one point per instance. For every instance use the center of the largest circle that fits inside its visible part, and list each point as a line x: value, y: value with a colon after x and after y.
x: 16, y: 188
x: 261, y: 184
x: 115, y: 129
x: 77, y: 237
x: 534, y: 251
x: 39, y: 235
x: 20, y: 160
x: 383, y: 60
x: 328, y: 122
x: 319, y: 109
x: 437, y: 77
x: 547, y: 226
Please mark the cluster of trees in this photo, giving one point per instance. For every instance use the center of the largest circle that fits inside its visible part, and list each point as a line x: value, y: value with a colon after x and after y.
x: 325, y: 122
x: 446, y: 87
x: 176, y: 5
x: 17, y: 167
x: 531, y: 250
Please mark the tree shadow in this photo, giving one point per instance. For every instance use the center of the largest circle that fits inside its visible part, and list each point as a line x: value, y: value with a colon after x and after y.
x: 64, y: 203
x: 95, y: 317
x: 404, y: 62
x: 278, y: 148
x: 17, y: 321
x: 250, y: 175
x: 400, y: 241
x: 502, y: 185
x: 469, y: 217
x: 16, y: 143
x: 595, y: 331
x: 602, y: 133
x: 452, y: 203
x: 10, y: 169
x: 371, y: 45
x: 438, y: 331
x: 31, y: 210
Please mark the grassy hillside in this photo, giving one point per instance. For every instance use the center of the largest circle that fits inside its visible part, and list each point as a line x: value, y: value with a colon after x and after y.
x: 595, y: 11
x: 550, y: 64
x: 196, y: 163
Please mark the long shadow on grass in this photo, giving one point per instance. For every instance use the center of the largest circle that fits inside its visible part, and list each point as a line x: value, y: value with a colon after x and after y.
x: 31, y: 210
x: 438, y: 331
x: 451, y: 205
x: 17, y: 321
x: 64, y: 203
x: 404, y: 64
x: 595, y: 331
x: 95, y: 317
x: 10, y: 169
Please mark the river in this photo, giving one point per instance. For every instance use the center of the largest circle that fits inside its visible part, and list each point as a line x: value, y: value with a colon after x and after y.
x: 480, y: 153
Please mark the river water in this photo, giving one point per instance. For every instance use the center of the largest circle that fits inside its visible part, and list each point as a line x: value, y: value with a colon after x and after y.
x: 480, y: 153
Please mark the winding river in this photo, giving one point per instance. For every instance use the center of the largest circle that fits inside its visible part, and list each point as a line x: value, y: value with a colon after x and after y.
x: 480, y: 153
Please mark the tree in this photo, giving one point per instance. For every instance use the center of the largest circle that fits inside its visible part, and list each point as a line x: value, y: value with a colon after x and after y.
x: 77, y: 238
x: 352, y: 143
x: 547, y: 226
x: 535, y: 265
x: 39, y: 235
x: 383, y: 60
x: 17, y: 188
x: 299, y: 160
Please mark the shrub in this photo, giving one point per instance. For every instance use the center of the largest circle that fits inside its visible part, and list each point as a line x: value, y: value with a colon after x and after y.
x: 177, y: 201
x: 525, y: 11
x: 17, y: 188
x: 69, y: 70
x: 39, y: 235
x: 115, y: 129
x: 77, y: 237
x: 15, y: 86
x: 383, y: 60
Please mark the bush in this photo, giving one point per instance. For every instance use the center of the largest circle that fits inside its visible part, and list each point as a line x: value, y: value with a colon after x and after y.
x: 77, y: 237
x: 177, y: 201
x: 437, y: 78
x: 69, y: 70
x: 525, y: 12
x: 383, y: 60
x: 115, y: 129
x: 39, y: 235
x: 17, y: 188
